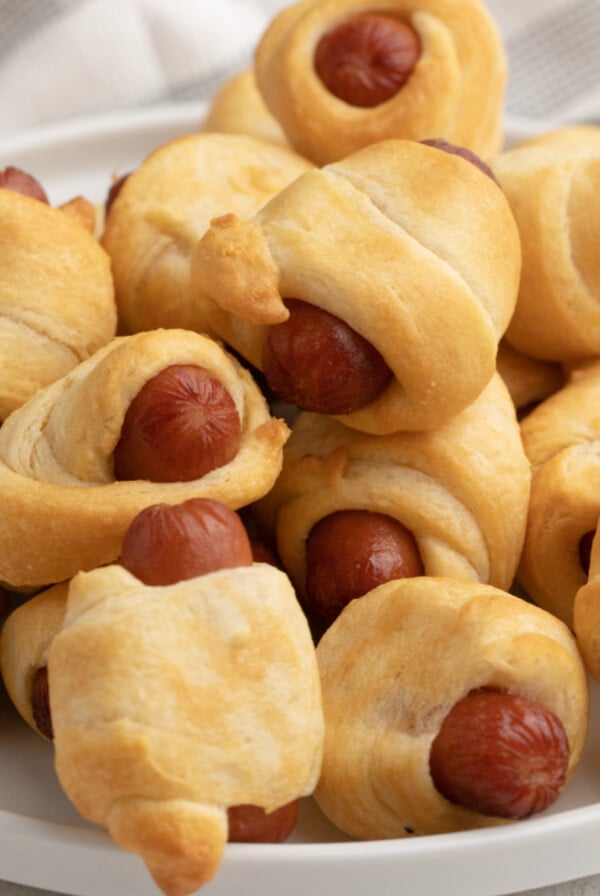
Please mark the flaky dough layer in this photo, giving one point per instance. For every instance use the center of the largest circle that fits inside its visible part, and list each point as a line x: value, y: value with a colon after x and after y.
x: 63, y: 509
x: 392, y: 666
x: 414, y: 248
x: 57, y: 303
x: 456, y: 90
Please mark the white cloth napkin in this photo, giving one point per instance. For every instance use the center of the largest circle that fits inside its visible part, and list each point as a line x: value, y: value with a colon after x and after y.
x: 64, y: 59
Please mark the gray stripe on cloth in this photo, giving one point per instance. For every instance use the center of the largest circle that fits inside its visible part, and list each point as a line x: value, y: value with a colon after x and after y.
x: 26, y: 17
x: 554, y: 60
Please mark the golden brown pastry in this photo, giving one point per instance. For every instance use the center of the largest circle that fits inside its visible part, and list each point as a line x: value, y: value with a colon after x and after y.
x: 565, y: 134
x: 559, y: 437
x: 24, y: 642
x: 238, y: 108
x: 529, y: 380
x: 461, y: 492
x: 551, y: 184
x: 412, y: 249
x: 155, y: 417
x: 165, y: 206
x: 339, y: 75
x: 398, y: 665
x: 56, y: 295
x: 221, y: 707
x: 586, y: 612
x: 85, y: 212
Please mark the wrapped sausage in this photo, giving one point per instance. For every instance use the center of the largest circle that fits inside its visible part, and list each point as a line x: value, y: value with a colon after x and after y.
x: 448, y: 706
x: 159, y: 771
x: 460, y: 493
x: 163, y: 415
x: 132, y: 656
x: 339, y: 75
x: 375, y: 289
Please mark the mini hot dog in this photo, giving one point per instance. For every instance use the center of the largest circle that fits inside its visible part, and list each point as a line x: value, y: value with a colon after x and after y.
x: 448, y: 706
x: 356, y: 298
x: 338, y: 75
x: 20, y: 181
x: 219, y: 626
x: 209, y: 631
x: 160, y: 416
x: 350, y: 511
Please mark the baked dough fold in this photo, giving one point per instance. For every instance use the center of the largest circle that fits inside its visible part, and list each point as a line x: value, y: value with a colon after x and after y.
x: 171, y: 704
x: 461, y: 490
x: 24, y: 641
x: 392, y: 666
x: 57, y: 304
x: 551, y: 184
x: 456, y: 90
x: 63, y: 510
x: 586, y: 613
x: 165, y: 206
x: 529, y: 380
x: 560, y: 438
x: 413, y: 247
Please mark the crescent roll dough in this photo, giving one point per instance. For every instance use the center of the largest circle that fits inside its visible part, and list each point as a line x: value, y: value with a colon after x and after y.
x: 171, y: 704
x: 413, y: 247
x: 57, y: 302
x: 62, y: 509
x: 552, y: 185
x: 560, y: 437
x: 238, y: 108
x: 586, y: 613
x: 565, y: 134
x: 455, y: 91
x: 165, y: 206
x: 24, y: 641
x: 392, y: 666
x: 461, y: 490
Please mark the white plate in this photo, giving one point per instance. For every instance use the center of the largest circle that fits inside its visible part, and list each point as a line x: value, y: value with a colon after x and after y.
x: 43, y: 841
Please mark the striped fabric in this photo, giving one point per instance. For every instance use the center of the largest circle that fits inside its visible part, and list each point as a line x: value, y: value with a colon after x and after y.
x: 61, y: 59
x: 20, y: 20
x: 555, y: 61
